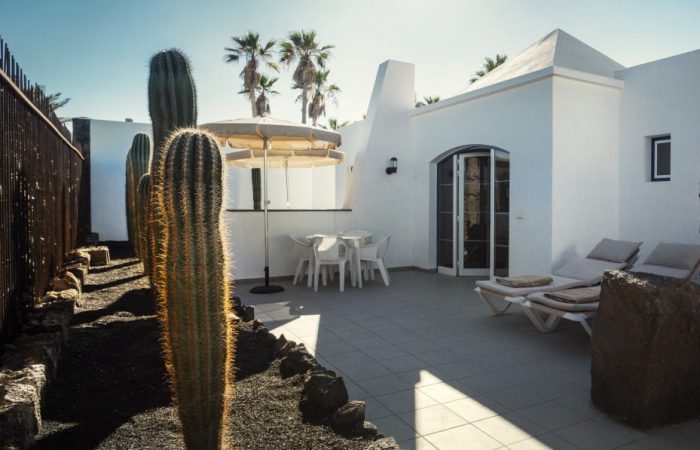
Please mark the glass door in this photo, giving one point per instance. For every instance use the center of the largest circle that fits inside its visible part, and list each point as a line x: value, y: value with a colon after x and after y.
x: 482, y: 213
x: 446, y: 207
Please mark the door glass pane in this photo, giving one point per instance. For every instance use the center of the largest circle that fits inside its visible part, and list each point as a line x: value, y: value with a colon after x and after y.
x: 502, y: 213
x: 445, y: 212
x: 477, y: 171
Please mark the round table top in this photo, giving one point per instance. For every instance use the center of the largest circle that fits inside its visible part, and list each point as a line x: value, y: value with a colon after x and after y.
x: 353, y: 234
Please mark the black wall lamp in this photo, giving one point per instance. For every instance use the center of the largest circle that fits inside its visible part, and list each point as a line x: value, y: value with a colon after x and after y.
x: 393, y: 166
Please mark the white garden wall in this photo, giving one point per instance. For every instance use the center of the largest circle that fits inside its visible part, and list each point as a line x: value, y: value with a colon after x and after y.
x: 109, y: 143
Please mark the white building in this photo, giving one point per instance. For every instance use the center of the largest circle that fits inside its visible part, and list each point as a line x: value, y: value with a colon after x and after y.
x: 580, y: 148
x: 583, y: 147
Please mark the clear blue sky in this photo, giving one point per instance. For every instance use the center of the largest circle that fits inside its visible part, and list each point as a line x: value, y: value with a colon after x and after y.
x: 97, y: 51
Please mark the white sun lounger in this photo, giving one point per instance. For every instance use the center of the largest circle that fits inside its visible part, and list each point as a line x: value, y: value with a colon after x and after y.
x: 607, y: 255
x: 680, y: 261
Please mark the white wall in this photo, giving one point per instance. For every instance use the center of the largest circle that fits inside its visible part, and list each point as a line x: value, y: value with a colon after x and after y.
x: 312, y: 188
x: 585, y: 165
x: 403, y: 204
x: 109, y: 143
x: 661, y: 97
x: 245, y: 241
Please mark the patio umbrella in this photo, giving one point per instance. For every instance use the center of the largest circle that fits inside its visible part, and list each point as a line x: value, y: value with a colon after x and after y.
x: 266, y: 142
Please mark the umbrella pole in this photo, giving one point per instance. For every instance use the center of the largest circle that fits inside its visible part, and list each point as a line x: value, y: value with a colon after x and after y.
x: 266, y: 288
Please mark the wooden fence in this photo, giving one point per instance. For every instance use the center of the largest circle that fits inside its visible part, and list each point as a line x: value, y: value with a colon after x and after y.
x: 40, y: 173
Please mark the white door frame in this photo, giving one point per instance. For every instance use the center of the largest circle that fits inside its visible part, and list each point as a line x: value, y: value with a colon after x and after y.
x: 459, y: 214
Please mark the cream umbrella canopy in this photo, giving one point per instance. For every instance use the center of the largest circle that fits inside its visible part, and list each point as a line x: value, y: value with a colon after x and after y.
x: 264, y: 142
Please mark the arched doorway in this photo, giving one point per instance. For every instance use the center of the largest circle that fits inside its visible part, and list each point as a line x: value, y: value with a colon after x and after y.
x: 473, y: 212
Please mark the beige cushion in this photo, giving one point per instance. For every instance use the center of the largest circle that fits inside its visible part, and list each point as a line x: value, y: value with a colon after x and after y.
x: 540, y: 298
x: 616, y: 251
x: 588, y: 269
x: 661, y: 270
x: 525, y: 281
x: 558, y: 283
x: 678, y: 256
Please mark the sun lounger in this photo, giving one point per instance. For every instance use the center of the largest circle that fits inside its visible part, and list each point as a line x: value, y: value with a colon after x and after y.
x: 607, y: 255
x: 671, y: 260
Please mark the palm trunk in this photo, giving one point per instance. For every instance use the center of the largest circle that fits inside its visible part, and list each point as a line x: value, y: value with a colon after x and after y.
x: 304, y: 103
x: 255, y: 173
x: 315, y: 119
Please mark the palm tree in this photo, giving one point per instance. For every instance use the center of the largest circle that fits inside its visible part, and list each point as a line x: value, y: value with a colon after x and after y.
x: 428, y: 100
x: 321, y: 91
x: 302, y: 46
x: 334, y: 125
x: 262, y: 103
x: 55, y: 101
x: 489, y: 65
x: 249, y: 47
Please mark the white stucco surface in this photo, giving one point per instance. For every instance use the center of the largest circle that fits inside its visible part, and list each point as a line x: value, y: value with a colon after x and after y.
x: 109, y: 143
x: 659, y: 98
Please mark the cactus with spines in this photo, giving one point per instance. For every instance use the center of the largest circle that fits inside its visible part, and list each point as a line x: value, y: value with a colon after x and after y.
x: 138, y: 162
x: 194, y: 292
x: 143, y: 196
x: 129, y: 202
x: 172, y: 104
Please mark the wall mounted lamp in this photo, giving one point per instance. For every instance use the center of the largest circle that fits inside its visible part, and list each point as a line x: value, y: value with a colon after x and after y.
x: 393, y: 166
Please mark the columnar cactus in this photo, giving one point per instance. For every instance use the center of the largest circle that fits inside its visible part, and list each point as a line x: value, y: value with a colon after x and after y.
x: 143, y: 195
x: 138, y: 162
x: 172, y: 103
x: 194, y: 297
x: 129, y: 202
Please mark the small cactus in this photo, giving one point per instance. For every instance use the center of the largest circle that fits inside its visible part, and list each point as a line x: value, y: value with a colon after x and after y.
x: 143, y: 195
x: 172, y: 104
x: 138, y: 162
x: 193, y: 296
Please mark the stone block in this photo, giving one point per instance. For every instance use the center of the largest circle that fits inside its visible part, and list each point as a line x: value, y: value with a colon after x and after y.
x: 99, y: 255
x: 644, y: 350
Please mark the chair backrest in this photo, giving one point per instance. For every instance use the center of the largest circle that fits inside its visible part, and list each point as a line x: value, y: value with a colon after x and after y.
x: 303, y: 246
x: 672, y: 260
x: 375, y: 250
x: 327, y: 248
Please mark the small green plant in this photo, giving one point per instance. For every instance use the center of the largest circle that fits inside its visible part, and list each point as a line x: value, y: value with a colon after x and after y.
x: 194, y: 299
x: 138, y: 162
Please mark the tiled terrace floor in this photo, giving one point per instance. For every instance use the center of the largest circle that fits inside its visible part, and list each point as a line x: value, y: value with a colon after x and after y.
x: 438, y: 371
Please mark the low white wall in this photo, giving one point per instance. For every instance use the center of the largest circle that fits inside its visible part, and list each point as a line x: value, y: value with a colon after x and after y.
x: 245, y: 239
x: 109, y: 143
x: 312, y: 188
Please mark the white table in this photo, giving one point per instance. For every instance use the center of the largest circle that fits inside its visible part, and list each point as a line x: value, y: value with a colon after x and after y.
x: 355, y: 239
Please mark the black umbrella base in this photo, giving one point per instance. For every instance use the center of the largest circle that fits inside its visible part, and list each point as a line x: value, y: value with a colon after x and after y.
x: 271, y: 289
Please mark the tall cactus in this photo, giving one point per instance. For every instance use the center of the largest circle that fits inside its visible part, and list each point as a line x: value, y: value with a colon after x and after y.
x: 172, y: 104
x: 194, y: 296
x: 143, y: 195
x: 129, y: 201
x: 138, y: 162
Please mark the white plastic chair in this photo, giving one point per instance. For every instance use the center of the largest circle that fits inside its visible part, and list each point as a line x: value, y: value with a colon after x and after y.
x: 373, y: 256
x: 305, y: 252
x: 327, y: 252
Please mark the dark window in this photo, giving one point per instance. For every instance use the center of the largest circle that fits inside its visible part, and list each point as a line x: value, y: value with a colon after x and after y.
x: 661, y: 158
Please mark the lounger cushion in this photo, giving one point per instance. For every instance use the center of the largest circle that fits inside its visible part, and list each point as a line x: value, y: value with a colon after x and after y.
x: 678, y: 256
x: 557, y: 284
x: 661, y: 270
x: 613, y: 250
x: 588, y: 269
x: 540, y: 298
